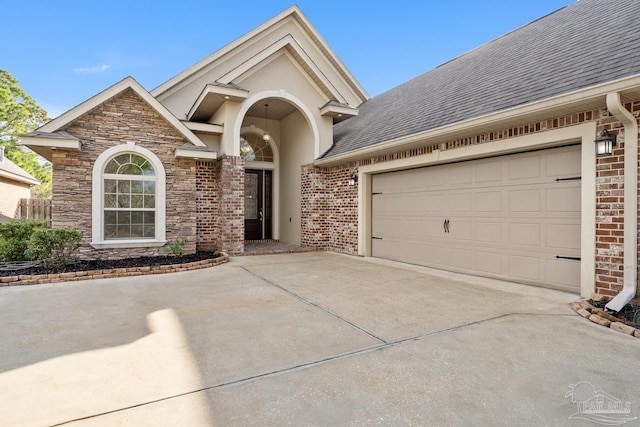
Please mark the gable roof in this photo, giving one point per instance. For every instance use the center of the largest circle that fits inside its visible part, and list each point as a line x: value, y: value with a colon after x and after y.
x: 290, y: 43
x: 13, y: 172
x: 582, y: 45
x: 51, y: 135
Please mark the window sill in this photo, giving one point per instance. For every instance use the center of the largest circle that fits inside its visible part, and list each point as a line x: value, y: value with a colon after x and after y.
x: 124, y: 244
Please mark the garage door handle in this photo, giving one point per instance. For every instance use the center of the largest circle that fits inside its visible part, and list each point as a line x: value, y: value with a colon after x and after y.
x: 446, y: 225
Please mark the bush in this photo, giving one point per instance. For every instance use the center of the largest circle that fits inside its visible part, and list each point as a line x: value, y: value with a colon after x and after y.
x: 177, y: 247
x: 54, y: 247
x: 14, y: 238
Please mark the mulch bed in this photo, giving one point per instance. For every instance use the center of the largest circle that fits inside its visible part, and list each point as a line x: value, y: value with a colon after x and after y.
x: 88, y: 265
x: 629, y: 313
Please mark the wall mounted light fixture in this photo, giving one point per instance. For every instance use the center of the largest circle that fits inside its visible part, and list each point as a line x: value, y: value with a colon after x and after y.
x: 605, y: 143
x: 353, y: 179
x: 266, y: 137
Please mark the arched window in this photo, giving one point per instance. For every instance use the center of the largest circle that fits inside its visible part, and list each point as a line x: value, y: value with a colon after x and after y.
x: 254, y: 149
x: 129, y: 198
x: 128, y: 195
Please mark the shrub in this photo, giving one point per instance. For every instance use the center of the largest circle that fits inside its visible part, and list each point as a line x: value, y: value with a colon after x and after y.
x: 177, y: 247
x: 54, y: 247
x: 14, y: 238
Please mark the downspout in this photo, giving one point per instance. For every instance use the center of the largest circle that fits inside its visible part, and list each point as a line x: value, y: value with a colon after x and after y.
x: 630, y: 202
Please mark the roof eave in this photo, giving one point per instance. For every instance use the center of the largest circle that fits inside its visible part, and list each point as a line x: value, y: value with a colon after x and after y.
x: 446, y: 133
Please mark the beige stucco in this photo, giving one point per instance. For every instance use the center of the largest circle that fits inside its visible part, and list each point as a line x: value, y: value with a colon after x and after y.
x: 10, y: 194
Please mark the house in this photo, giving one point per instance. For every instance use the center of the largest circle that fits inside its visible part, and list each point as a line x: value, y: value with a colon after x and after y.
x: 15, y: 184
x: 484, y: 165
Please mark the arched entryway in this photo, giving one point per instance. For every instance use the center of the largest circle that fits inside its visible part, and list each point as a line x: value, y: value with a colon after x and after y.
x: 273, y: 168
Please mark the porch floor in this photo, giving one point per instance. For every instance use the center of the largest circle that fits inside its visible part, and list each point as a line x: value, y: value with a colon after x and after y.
x: 267, y: 247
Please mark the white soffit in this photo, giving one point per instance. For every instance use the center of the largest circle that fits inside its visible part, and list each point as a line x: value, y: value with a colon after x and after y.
x: 212, y: 97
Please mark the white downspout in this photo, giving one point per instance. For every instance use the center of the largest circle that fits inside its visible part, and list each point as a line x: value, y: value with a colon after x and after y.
x: 630, y: 202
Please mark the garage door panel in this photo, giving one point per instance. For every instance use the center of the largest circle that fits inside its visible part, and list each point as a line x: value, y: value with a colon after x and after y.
x: 563, y: 236
x: 524, y: 267
x: 562, y: 272
x: 509, y: 217
x: 489, y: 232
x: 525, y: 234
x: 488, y: 172
x: 524, y: 200
x: 563, y: 199
x: 488, y: 262
x: 488, y: 201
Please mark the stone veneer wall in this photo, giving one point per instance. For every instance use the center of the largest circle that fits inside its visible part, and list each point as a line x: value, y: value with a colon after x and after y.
x: 329, y: 209
x: 126, y: 117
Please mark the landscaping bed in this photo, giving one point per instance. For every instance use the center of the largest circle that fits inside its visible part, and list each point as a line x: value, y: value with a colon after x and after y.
x: 98, y: 269
x: 626, y: 320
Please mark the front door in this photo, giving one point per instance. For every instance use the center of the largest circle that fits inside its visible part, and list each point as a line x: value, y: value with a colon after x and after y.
x: 257, y: 204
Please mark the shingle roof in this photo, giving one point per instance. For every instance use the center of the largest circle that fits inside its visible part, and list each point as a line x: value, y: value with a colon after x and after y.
x: 581, y: 45
x: 15, y: 172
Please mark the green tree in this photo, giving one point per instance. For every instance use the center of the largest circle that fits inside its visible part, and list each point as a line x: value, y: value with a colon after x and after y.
x: 20, y: 114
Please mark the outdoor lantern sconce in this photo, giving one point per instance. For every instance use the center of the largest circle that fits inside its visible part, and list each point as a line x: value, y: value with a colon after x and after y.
x: 266, y: 137
x: 605, y: 143
x: 353, y: 179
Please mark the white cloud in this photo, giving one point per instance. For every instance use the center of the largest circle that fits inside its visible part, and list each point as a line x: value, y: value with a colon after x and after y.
x: 92, y: 70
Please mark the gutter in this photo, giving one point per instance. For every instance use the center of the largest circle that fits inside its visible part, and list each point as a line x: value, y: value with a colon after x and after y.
x: 630, y: 277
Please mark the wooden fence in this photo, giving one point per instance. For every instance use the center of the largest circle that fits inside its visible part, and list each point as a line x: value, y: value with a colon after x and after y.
x: 39, y: 209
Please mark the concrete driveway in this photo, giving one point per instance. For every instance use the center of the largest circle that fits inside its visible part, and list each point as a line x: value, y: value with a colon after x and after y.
x: 305, y: 339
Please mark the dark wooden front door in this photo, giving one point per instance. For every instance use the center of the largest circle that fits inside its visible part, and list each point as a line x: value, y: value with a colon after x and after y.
x: 257, y: 204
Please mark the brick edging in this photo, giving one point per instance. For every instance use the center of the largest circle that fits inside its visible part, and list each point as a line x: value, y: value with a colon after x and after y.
x: 24, y: 280
x: 601, y: 317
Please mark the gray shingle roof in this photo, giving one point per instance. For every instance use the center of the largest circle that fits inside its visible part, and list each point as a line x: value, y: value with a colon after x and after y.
x: 581, y: 45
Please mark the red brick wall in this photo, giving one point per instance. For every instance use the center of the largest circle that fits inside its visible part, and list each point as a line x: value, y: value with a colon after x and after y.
x: 229, y: 224
x: 126, y: 117
x: 207, y: 192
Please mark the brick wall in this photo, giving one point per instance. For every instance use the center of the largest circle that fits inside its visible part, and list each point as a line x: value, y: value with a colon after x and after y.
x: 229, y: 223
x: 126, y: 117
x: 207, y: 193
x: 330, y: 205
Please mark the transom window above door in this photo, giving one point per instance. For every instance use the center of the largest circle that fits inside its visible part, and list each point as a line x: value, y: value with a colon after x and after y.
x: 254, y: 149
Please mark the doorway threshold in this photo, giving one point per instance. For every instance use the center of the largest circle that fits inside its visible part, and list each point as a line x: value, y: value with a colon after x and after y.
x: 270, y: 246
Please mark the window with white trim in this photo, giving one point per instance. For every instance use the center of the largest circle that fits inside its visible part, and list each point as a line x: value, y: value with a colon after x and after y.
x: 129, y: 198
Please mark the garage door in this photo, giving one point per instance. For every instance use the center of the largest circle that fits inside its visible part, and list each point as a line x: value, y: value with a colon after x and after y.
x: 514, y: 217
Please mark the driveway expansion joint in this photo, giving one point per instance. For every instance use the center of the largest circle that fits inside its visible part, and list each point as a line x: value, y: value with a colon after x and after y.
x: 316, y: 305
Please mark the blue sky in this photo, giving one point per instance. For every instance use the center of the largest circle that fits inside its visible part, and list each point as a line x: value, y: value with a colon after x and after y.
x: 65, y: 51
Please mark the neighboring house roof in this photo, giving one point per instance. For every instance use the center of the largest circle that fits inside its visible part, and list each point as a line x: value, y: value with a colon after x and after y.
x: 4, y: 218
x: 51, y: 134
x: 13, y: 172
x: 582, y: 45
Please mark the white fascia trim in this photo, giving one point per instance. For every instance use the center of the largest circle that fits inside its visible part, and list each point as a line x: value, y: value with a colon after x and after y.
x: 165, y: 89
x: 593, y: 92
x: 285, y: 41
x: 205, y: 127
x: 63, y: 144
x: 237, y: 95
x: 195, y: 154
x: 337, y: 63
x: 15, y: 177
x: 105, y: 95
x: 583, y: 133
x: 331, y: 110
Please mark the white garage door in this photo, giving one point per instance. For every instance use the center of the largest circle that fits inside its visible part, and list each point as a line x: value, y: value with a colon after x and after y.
x: 514, y: 217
